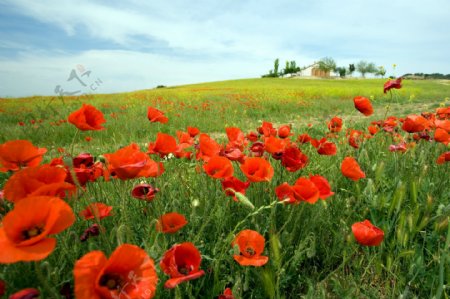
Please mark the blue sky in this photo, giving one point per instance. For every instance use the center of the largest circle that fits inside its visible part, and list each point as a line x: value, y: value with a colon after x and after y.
x: 130, y: 45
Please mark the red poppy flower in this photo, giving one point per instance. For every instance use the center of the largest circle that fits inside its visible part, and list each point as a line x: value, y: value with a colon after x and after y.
x: 218, y: 167
x: 397, y: 84
x: 274, y: 145
x: 25, y: 231
x: 372, y: 130
x: 170, y: 223
x: 16, y: 154
x: 155, y: 115
x: 324, y: 147
x: 363, y: 105
x: 306, y: 190
x: 257, y: 149
x: 208, y: 148
x: 164, y: 145
x: 236, y: 138
x: 128, y: 273
x: 129, y: 162
x: 304, y: 138
x: 350, y: 169
x: 181, y: 263
x: 257, y: 169
x: 144, y: 191
x: 193, y: 131
x: 367, y: 234
x: 29, y: 293
x: 91, y: 231
x: 235, y: 185
x: 96, y: 210
x: 401, y: 147
x: 41, y: 180
x: 445, y: 157
x: 443, y: 124
x: 355, y: 137
x: 84, y: 168
x: 233, y: 154
x: 227, y: 294
x: 85, y: 159
x: 251, y: 246
x: 415, y: 123
x: 252, y: 136
x: 443, y: 112
x: 335, y: 125
x: 323, y: 185
x: 267, y: 129
x: 284, y: 131
x: 293, y: 159
x: 87, y: 118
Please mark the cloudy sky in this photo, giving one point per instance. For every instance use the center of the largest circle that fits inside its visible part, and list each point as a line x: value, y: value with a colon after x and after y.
x: 114, y: 46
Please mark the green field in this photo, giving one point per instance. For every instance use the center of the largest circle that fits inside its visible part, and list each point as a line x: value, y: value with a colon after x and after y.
x: 312, y: 251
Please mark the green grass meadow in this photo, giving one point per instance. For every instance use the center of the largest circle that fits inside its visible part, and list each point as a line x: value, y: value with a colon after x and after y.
x: 311, y: 249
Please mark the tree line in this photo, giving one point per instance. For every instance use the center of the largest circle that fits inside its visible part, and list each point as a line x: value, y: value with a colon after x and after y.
x: 328, y: 64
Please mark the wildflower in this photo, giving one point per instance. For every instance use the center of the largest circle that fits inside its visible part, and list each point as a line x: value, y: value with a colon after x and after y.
x: 128, y: 273
x: 218, y: 167
x: 91, y: 231
x: 257, y: 169
x: 87, y: 118
x: 25, y: 231
x: 129, y: 162
x: 164, y: 145
x: 144, y: 191
x: 397, y: 84
x: 170, y: 223
x: 227, y: 294
x: 350, y: 169
x: 231, y: 185
x: 251, y: 245
x: 324, y: 147
x: 16, y: 154
x: 363, y: 105
x: 367, y: 234
x: 41, y: 180
x: 181, y: 263
x: 155, y: 115
x: 284, y: 131
x: 96, y: 210
x: 335, y: 124
x: 445, y: 157
x: 415, y: 123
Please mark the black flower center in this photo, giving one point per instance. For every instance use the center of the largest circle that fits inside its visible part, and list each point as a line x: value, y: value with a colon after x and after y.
x: 111, y: 281
x: 32, y: 232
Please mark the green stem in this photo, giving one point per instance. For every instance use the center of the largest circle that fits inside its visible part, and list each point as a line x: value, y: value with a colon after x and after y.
x: 44, y: 282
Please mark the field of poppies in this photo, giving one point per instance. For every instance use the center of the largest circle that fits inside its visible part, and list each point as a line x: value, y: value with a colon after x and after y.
x: 260, y: 188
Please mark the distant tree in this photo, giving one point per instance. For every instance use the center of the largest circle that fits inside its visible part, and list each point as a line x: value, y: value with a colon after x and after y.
x: 365, y: 67
x: 291, y: 67
x: 287, y: 68
x: 351, y: 68
x: 294, y: 67
x: 327, y: 64
x: 342, y: 71
x: 381, y: 71
x: 276, y: 64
